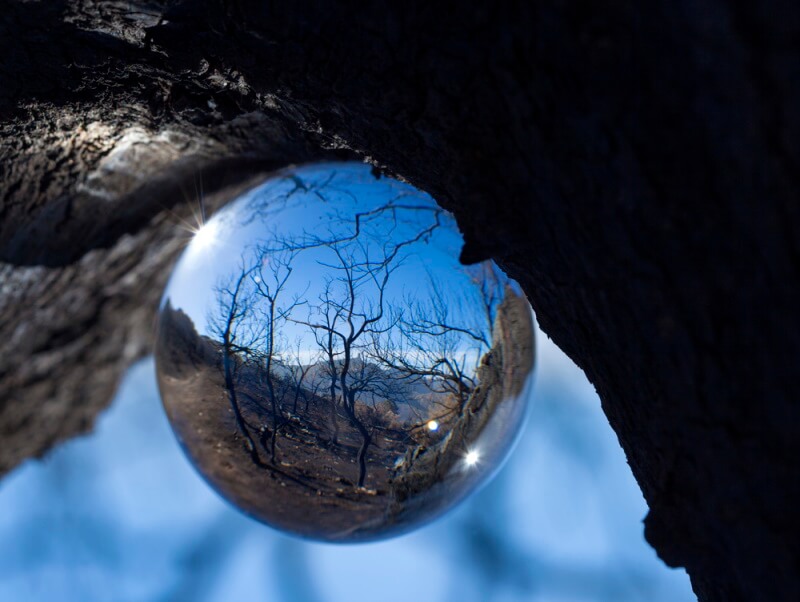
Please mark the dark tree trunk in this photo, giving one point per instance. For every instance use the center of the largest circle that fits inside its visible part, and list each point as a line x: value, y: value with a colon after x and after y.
x: 230, y: 387
x: 349, y: 405
x: 635, y: 166
x: 366, y: 439
x: 277, y: 416
x: 333, y: 411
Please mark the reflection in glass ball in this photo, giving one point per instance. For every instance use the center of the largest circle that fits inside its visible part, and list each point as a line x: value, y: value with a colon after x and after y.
x: 328, y: 364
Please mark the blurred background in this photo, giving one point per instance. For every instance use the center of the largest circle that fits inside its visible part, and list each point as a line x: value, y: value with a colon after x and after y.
x: 120, y: 515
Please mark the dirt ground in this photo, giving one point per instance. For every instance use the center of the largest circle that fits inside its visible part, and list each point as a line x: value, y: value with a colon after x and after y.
x: 309, y: 488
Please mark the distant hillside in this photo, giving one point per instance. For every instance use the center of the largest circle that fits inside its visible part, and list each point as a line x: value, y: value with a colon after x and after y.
x: 182, y: 348
x: 179, y: 346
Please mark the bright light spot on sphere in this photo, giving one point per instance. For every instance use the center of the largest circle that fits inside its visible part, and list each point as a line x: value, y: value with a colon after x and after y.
x: 307, y: 361
x: 472, y: 457
x: 206, y: 235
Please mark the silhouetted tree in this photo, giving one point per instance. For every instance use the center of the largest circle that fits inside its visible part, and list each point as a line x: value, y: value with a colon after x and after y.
x: 439, y: 340
x: 345, y: 316
x: 237, y: 337
x: 269, y: 275
x: 297, y: 373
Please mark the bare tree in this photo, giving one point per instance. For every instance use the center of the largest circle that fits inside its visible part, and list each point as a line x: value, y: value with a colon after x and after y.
x: 236, y: 334
x: 347, y: 314
x: 247, y: 322
x: 314, y: 383
x: 269, y: 275
x: 440, y: 340
x: 297, y: 373
x: 324, y: 334
x: 350, y: 310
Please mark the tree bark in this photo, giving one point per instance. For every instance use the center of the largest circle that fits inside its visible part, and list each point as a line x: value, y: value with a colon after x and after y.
x: 635, y: 166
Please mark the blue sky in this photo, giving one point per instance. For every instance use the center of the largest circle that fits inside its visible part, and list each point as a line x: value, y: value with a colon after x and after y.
x: 265, y: 213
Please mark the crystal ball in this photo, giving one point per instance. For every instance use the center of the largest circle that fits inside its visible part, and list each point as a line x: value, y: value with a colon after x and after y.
x: 327, y: 363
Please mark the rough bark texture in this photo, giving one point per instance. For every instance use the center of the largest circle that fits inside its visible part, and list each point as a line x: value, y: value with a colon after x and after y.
x: 634, y: 165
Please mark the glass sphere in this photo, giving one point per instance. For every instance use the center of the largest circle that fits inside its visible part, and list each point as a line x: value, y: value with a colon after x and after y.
x: 330, y: 367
